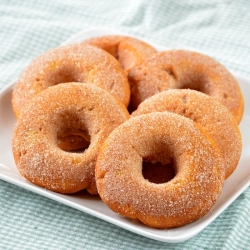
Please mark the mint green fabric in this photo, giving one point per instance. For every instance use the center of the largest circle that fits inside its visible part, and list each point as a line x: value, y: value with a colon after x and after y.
x: 220, y: 29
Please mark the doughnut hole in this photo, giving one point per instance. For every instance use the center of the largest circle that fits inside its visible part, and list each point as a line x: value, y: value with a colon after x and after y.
x: 158, y: 162
x: 194, y: 81
x: 73, y: 136
x: 170, y: 71
x: 190, y: 75
x: 158, y: 172
x: 63, y: 74
x: 78, y: 140
x: 186, y: 79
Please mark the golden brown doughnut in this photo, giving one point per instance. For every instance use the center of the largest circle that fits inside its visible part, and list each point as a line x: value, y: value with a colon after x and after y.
x: 210, y: 114
x: 128, y: 51
x: 186, y: 69
x: 71, y: 63
x: 166, y: 138
x: 50, y: 115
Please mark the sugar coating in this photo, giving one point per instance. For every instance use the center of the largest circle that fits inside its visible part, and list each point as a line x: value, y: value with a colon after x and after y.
x: 209, y: 113
x: 160, y: 137
x: 129, y: 51
x: 71, y: 63
x: 54, y: 111
x: 186, y: 69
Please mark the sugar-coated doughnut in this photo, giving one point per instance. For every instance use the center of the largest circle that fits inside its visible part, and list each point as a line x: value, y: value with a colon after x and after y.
x: 81, y: 108
x: 71, y: 63
x: 209, y: 113
x: 129, y: 51
x: 160, y: 137
x: 186, y: 69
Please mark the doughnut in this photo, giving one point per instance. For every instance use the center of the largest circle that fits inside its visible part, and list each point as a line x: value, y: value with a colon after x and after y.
x: 71, y: 63
x: 182, y: 69
x: 50, y: 115
x: 209, y: 113
x: 129, y: 51
x: 166, y: 138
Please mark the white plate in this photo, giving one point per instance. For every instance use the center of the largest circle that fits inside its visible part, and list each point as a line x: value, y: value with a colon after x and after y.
x: 233, y: 187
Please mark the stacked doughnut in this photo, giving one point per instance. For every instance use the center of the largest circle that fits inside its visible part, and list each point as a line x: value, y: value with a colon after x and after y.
x: 165, y: 163
x: 68, y: 99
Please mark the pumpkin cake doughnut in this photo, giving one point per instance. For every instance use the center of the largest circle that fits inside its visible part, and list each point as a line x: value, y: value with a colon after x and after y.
x: 129, y: 51
x: 186, y: 69
x: 51, y: 114
x: 160, y: 137
x: 71, y: 63
x: 210, y: 114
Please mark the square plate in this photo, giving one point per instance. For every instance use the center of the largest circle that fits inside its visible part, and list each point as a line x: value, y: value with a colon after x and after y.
x: 92, y: 205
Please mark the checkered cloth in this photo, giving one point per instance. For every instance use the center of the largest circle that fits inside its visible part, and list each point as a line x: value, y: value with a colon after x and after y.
x: 220, y: 29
